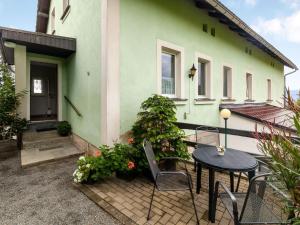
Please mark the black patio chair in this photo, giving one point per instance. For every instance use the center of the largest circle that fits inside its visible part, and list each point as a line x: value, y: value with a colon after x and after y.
x: 262, y: 204
x: 263, y: 168
x: 168, y: 180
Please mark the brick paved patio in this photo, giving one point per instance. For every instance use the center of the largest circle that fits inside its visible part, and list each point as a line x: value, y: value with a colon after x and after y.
x: 129, y: 201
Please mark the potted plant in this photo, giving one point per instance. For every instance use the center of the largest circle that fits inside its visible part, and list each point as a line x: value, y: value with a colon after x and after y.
x: 156, y: 123
x: 124, y: 161
x: 64, y: 128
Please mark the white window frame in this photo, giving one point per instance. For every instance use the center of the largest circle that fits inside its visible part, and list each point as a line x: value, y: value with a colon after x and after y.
x: 269, y: 89
x: 208, y: 87
x: 249, y: 86
x: 178, y: 51
x: 53, y: 18
x: 229, y: 81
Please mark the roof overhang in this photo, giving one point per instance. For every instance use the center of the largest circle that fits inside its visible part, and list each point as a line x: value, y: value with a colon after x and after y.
x: 225, y: 16
x: 35, y: 43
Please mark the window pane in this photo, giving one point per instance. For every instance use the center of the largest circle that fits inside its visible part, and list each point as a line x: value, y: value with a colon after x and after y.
x: 37, y: 87
x: 249, y: 86
x: 225, y: 81
x: 168, y: 74
x: 201, y: 78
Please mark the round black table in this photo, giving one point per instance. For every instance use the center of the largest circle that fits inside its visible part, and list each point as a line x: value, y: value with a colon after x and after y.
x: 232, y: 161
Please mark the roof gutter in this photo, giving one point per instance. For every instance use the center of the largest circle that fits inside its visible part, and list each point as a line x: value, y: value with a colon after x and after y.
x: 285, y: 88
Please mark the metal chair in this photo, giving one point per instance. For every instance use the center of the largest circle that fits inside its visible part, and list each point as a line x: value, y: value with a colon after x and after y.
x: 262, y: 168
x: 168, y: 180
x: 262, y: 204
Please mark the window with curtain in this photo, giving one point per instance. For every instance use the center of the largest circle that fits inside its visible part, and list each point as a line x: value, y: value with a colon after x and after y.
x: 168, y: 72
x: 227, y: 71
x: 269, y: 82
x: 202, y: 78
x: 249, y: 86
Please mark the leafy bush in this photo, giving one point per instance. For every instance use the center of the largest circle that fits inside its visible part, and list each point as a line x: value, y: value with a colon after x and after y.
x: 156, y: 123
x: 10, y: 122
x: 119, y: 159
x: 64, y: 128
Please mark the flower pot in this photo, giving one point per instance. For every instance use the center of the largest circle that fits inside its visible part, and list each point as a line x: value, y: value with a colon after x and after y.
x: 128, y: 176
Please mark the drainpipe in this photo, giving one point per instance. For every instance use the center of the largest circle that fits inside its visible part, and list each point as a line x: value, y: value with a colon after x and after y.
x: 285, y: 88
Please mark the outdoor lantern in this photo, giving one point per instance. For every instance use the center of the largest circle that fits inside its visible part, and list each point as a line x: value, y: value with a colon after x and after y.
x: 192, y: 72
x: 225, y: 114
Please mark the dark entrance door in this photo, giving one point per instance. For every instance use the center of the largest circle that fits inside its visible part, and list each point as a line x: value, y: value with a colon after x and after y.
x: 43, y: 91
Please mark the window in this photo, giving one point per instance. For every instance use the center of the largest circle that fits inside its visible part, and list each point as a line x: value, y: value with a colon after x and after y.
x: 65, y: 5
x: 168, y: 74
x: 203, y: 76
x: 227, y: 82
x: 249, y: 86
x: 170, y: 70
x: 53, y: 21
x: 269, y: 82
x: 37, y: 86
x: 66, y: 9
x: 202, y: 70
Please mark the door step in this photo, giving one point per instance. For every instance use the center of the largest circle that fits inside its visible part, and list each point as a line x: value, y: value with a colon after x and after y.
x: 41, y: 147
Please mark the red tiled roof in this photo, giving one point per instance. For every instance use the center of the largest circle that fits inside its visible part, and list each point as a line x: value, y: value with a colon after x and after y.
x: 263, y: 113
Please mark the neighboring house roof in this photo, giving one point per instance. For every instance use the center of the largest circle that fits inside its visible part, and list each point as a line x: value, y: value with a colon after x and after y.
x: 215, y: 9
x: 36, y: 43
x: 264, y: 113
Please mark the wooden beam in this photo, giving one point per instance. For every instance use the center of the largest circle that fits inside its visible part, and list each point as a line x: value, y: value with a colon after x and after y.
x: 44, y: 15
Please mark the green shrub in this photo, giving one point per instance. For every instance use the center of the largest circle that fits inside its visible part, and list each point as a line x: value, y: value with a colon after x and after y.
x: 156, y: 123
x: 10, y: 122
x: 64, y: 128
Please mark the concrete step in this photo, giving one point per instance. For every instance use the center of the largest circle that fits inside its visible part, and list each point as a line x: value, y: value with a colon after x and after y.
x: 30, y: 136
x: 47, y: 143
x: 32, y: 157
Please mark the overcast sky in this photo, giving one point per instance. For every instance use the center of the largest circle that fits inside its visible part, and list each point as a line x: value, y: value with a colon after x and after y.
x: 276, y: 20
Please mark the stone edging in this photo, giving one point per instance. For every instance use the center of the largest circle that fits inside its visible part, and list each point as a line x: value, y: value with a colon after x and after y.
x: 104, y: 205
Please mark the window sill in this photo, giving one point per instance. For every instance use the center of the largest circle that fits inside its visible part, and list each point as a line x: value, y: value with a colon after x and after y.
x: 249, y: 101
x: 204, y: 101
x: 269, y: 100
x: 179, y: 101
x: 65, y: 13
x: 228, y: 100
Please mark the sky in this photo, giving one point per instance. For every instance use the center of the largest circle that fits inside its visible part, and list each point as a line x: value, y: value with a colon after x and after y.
x: 278, y: 21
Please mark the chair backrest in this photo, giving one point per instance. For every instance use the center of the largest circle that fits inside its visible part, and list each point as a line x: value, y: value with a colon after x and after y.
x: 151, y: 158
x: 207, y: 136
x: 264, y: 202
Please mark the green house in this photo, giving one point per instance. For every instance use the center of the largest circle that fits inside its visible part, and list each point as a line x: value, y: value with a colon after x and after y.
x: 92, y: 63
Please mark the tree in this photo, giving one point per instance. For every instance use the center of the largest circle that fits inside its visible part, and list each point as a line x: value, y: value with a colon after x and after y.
x: 285, y: 155
x: 10, y: 122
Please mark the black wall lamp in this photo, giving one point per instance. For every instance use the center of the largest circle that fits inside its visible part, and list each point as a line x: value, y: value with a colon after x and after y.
x: 192, y: 72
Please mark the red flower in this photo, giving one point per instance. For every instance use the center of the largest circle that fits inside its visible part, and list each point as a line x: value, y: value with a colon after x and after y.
x: 97, y: 153
x: 131, y: 165
x: 130, y: 140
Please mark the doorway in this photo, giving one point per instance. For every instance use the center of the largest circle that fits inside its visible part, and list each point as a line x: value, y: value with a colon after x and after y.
x: 43, y: 91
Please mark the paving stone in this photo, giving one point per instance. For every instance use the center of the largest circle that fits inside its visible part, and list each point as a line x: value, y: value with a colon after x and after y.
x: 132, y: 199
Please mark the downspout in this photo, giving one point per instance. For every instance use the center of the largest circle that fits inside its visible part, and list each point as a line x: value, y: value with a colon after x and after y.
x: 285, y: 88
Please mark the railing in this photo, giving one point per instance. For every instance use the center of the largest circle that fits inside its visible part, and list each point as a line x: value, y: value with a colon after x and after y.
x: 73, y: 106
x: 229, y: 131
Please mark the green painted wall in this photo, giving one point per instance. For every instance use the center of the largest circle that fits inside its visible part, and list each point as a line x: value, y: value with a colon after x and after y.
x: 145, y: 21
x: 83, y: 69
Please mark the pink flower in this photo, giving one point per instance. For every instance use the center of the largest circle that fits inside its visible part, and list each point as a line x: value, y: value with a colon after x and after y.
x: 131, y: 165
x: 130, y: 140
x: 97, y: 153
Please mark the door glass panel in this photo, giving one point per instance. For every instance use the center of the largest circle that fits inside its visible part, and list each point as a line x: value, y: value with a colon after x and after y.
x: 37, y: 86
